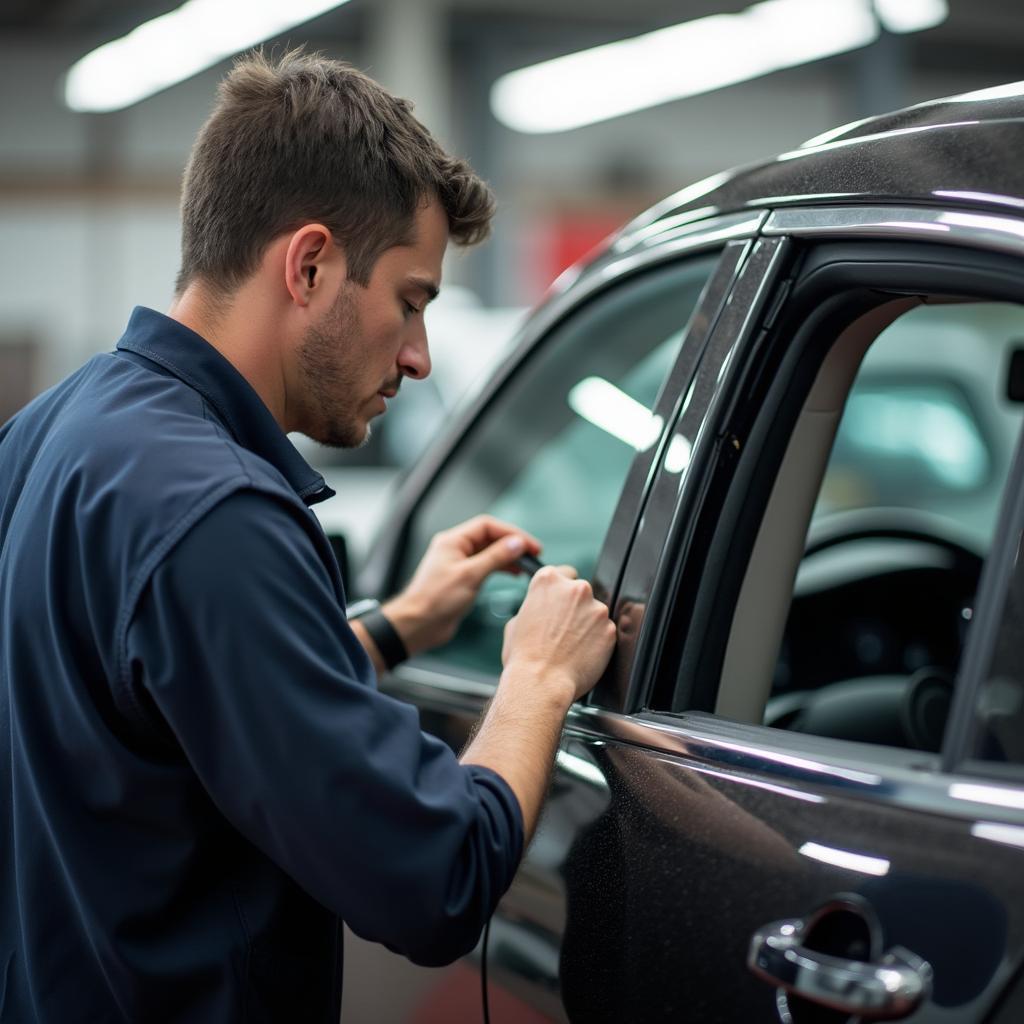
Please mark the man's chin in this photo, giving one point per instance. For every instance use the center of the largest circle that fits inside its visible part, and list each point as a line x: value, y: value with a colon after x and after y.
x: 344, y: 438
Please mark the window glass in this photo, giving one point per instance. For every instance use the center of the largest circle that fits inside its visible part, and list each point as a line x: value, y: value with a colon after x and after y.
x: 552, y: 451
x: 903, y: 520
x: 908, y: 442
x: 927, y: 424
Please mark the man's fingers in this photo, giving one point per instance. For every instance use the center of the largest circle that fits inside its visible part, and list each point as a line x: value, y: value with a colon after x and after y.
x: 501, y: 554
x: 477, y: 533
x: 566, y: 571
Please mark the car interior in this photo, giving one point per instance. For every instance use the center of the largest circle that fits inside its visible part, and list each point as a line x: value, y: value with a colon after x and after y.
x: 857, y: 598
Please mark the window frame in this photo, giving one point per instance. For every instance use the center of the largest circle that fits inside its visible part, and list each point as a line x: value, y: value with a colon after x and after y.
x: 663, y: 545
x: 997, y: 577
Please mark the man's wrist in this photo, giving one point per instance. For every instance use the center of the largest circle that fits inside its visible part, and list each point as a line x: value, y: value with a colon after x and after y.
x: 408, y: 621
x: 381, y: 630
x: 545, y: 684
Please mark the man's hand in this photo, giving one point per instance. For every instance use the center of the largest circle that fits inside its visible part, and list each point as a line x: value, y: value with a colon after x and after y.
x: 562, y: 636
x: 555, y: 650
x: 448, y: 578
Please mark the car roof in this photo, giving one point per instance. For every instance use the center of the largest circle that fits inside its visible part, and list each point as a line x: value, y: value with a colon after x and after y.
x: 959, y: 150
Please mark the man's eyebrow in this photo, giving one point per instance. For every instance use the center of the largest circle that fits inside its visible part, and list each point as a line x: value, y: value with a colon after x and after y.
x: 426, y: 286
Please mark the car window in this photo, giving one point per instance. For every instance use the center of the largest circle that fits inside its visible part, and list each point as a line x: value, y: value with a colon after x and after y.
x: 552, y: 451
x: 927, y: 424
x: 902, y: 519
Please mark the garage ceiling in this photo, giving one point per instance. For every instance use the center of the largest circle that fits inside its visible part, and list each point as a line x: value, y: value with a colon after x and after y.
x: 982, y: 35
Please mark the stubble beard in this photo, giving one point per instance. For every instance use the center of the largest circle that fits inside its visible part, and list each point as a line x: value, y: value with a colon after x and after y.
x: 327, y: 362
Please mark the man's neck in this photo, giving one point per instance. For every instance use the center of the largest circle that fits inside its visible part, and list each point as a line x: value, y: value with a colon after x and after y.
x: 241, y: 331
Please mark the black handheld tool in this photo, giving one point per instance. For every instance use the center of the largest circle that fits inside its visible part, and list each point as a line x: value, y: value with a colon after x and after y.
x: 529, y: 564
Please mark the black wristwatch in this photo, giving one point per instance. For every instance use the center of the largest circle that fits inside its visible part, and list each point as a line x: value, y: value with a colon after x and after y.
x: 382, y: 632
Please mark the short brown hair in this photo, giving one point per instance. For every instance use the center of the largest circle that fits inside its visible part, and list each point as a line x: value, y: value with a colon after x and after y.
x: 306, y: 139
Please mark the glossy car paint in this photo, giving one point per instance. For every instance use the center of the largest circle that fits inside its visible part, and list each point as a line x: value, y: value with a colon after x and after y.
x: 698, y: 838
x: 669, y: 839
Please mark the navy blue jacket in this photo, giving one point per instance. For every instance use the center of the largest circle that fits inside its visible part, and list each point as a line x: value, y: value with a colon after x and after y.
x: 198, y: 776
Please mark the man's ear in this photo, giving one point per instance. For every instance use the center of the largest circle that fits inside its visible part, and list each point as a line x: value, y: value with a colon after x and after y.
x: 312, y: 261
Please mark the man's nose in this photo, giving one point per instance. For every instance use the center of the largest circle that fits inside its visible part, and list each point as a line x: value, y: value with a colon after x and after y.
x: 414, y: 357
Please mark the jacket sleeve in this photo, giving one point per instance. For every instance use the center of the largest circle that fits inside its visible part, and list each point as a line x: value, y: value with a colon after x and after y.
x: 240, y: 642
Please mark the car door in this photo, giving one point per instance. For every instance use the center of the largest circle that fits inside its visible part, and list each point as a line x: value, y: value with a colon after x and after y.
x: 833, y: 863
x: 562, y: 445
x: 548, y: 918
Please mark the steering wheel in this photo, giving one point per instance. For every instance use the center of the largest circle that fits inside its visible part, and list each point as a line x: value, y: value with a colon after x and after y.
x: 894, y: 524
x: 895, y: 710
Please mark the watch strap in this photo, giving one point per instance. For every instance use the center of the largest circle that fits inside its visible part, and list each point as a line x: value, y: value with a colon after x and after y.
x: 385, y: 637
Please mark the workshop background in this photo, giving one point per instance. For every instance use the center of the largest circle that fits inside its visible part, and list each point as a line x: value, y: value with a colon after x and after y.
x: 89, y: 196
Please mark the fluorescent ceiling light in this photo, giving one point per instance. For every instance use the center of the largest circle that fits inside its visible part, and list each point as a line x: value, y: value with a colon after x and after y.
x: 178, y: 45
x: 845, y: 859
x: 610, y: 409
x: 911, y: 15
x: 695, y: 57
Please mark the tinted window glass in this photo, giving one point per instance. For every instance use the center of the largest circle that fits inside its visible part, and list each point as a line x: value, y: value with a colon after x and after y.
x: 553, y: 450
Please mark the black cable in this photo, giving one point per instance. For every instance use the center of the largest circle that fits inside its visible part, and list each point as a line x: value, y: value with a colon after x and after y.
x: 483, y: 972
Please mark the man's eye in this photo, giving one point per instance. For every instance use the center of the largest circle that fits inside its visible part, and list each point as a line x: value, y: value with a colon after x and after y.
x: 410, y: 309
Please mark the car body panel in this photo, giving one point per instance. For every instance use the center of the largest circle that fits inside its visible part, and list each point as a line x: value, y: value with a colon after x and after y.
x: 924, y: 164
x: 694, y: 836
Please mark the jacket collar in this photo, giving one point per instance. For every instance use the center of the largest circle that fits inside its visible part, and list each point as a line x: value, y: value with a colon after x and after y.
x: 193, y: 360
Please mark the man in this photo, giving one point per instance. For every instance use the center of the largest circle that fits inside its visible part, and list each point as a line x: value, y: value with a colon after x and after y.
x: 200, y: 777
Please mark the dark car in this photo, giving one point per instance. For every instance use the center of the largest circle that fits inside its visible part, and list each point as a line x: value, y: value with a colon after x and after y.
x: 775, y: 421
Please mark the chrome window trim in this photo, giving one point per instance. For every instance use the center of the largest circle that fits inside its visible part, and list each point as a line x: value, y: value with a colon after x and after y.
x: 958, y: 227
x: 829, y: 769
x: 906, y: 779
x: 670, y: 237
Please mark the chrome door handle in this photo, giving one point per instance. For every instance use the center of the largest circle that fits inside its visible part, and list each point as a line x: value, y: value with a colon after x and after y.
x: 887, y: 989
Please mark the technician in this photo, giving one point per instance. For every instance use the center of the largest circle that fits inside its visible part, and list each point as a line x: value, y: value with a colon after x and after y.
x: 198, y: 777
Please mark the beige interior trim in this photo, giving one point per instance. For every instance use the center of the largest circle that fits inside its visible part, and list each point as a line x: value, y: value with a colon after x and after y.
x: 760, y: 617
